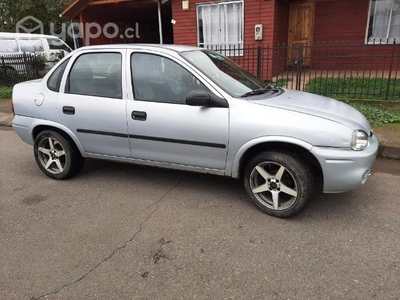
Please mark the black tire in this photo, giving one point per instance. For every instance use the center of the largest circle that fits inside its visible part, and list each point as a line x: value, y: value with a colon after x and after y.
x: 294, y: 186
x: 71, y: 162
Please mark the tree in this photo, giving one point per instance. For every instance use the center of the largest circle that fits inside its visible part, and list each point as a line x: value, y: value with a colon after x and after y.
x: 47, y: 11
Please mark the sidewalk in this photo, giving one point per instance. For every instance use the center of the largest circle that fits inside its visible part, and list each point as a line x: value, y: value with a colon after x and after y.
x: 388, y: 135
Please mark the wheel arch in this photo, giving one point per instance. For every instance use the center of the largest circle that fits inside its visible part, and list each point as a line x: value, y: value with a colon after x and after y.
x: 65, y: 132
x: 290, y: 145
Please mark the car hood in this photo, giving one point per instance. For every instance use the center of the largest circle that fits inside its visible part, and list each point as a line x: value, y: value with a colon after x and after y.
x: 317, y: 106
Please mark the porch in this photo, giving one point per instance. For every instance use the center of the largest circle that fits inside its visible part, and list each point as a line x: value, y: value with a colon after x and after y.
x: 122, y: 21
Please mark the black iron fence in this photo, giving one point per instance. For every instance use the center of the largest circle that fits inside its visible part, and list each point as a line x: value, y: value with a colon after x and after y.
x: 18, y: 68
x: 335, y: 69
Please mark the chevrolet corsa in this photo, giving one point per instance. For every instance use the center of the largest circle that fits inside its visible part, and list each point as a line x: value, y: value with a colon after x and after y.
x: 192, y: 109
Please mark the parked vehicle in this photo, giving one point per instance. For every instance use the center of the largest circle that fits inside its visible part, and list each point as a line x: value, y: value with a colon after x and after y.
x: 51, y: 47
x: 192, y: 109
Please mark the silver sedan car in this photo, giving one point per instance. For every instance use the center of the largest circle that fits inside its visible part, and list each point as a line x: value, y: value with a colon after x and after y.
x: 192, y: 109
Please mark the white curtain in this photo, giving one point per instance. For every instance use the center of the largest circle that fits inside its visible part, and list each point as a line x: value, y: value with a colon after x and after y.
x: 394, y: 32
x: 222, y: 26
x: 385, y: 11
x: 209, y: 15
x: 231, y: 25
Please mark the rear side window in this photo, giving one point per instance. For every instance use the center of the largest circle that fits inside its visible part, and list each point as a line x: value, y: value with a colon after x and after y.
x: 8, y: 45
x: 97, y: 74
x: 55, y: 79
x: 56, y: 44
x: 30, y: 45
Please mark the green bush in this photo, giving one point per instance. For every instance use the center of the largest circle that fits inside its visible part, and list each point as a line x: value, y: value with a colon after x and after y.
x: 377, y: 116
x: 5, y: 92
x: 354, y: 88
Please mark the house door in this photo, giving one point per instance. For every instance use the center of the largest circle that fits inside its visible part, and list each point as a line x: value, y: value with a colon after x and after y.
x: 301, y: 30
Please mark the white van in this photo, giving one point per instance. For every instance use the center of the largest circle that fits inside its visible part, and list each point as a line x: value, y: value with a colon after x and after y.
x: 52, y: 47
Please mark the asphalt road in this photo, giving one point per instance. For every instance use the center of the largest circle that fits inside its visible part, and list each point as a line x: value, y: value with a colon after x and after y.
x: 122, y: 231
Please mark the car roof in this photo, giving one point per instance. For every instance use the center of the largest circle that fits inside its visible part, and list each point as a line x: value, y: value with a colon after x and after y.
x: 175, y: 48
x: 26, y: 35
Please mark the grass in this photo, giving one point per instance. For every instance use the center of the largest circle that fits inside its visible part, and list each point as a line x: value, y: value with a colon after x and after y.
x: 5, y: 92
x: 377, y: 116
x: 355, y: 88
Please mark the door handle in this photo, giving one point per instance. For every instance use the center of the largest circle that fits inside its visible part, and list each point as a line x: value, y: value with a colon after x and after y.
x: 139, y: 115
x: 69, y: 110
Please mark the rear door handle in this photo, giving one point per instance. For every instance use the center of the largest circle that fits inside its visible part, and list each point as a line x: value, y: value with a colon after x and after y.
x: 139, y: 115
x: 69, y: 110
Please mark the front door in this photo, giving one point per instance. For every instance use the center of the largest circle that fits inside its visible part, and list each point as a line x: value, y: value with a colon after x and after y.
x: 162, y: 127
x: 301, y: 31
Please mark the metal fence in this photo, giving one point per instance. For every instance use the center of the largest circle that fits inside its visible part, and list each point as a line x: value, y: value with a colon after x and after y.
x: 18, y: 68
x: 351, y: 70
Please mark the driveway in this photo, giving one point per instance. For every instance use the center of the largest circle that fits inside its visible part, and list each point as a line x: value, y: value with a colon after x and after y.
x: 121, y: 231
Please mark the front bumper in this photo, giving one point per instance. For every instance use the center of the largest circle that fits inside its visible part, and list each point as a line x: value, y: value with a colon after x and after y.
x: 345, y: 169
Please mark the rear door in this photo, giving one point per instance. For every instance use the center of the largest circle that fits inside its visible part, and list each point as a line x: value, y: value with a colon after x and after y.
x: 93, y: 104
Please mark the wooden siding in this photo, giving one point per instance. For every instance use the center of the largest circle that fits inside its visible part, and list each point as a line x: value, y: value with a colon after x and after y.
x: 255, y: 12
x: 340, y: 20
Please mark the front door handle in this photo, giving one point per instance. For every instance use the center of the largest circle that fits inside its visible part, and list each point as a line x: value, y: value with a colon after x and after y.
x: 69, y: 110
x: 139, y: 115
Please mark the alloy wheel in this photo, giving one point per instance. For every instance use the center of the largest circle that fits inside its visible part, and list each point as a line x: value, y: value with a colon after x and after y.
x: 273, y: 185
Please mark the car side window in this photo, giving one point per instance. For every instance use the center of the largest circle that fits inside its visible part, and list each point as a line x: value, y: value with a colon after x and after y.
x: 159, y: 79
x: 8, y: 45
x: 31, y: 45
x: 57, y: 44
x: 96, y: 74
x: 55, y: 79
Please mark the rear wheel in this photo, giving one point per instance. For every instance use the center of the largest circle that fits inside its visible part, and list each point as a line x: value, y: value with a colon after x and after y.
x: 279, y: 183
x: 57, y: 156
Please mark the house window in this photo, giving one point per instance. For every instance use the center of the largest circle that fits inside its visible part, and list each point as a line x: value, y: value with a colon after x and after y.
x: 220, y: 26
x: 384, y: 21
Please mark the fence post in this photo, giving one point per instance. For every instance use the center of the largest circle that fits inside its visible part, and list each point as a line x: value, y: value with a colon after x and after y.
x: 259, y: 61
x: 299, y: 66
x: 390, y: 70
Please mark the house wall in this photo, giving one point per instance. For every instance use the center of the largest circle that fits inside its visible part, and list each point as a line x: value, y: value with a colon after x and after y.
x: 340, y: 20
x: 344, y: 22
x: 255, y: 12
x: 338, y: 39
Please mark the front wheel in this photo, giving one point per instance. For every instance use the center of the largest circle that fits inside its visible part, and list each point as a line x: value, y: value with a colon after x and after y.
x: 279, y: 183
x: 56, y: 156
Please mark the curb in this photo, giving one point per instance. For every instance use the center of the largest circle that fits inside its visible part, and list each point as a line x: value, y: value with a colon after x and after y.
x: 384, y: 151
x: 389, y: 152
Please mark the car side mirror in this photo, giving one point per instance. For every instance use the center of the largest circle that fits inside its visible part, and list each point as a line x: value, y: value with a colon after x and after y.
x: 204, y: 98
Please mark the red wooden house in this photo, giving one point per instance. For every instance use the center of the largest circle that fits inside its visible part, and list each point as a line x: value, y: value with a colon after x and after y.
x: 232, y: 23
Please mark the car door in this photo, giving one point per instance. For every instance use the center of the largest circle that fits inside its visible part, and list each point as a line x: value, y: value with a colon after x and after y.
x: 93, y: 104
x: 162, y: 127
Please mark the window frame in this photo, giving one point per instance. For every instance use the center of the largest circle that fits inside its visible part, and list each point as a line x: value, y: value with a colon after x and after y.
x: 166, y: 57
x: 66, y: 83
x: 237, y: 52
x: 381, y: 41
x: 59, y: 80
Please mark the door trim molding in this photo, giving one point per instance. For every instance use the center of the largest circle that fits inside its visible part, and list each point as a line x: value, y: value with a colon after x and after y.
x: 154, y: 138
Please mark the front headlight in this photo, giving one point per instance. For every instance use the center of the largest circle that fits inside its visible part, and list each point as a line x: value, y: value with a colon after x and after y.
x: 359, y: 140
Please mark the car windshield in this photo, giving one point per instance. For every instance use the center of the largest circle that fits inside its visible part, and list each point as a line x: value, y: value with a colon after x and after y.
x: 229, y: 76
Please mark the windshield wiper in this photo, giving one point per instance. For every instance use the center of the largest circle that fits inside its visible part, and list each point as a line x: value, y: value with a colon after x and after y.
x: 254, y: 92
x: 268, y: 88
